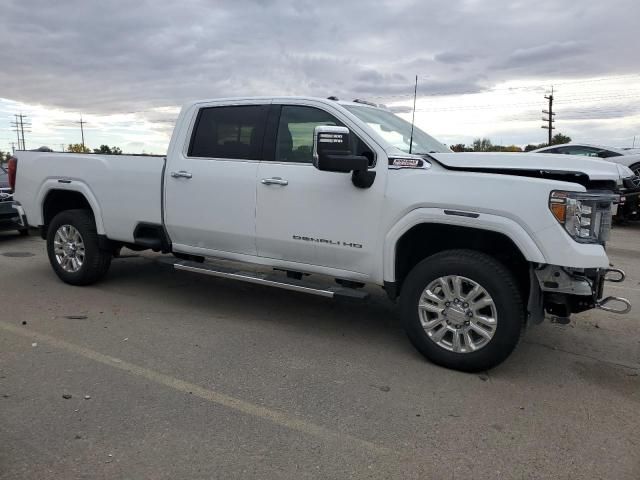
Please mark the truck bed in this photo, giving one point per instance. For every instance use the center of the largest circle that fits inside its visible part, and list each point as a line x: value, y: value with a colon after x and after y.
x: 123, y: 190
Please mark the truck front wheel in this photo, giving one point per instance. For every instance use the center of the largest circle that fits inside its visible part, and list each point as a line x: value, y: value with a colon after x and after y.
x: 462, y: 309
x: 73, y: 249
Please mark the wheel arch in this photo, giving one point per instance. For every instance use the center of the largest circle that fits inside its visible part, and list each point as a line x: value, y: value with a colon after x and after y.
x: 425, y: 232
x: 60, y: 197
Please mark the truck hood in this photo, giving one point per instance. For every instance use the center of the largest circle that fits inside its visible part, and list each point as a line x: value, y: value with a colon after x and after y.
x: 513, y: 163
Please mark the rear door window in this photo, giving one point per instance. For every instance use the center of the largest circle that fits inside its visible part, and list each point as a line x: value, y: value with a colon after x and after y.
x: 235, y: 132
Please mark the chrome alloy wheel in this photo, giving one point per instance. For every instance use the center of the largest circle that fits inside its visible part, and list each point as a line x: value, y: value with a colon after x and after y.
x: 68, y: 247
x: 635, y: 180
x: 457, y: 314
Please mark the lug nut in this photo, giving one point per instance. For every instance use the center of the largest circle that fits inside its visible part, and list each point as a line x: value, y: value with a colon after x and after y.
x: 456, y: 301
x: 446, y: 304
x: 465, y: 305
x: 469, y: 314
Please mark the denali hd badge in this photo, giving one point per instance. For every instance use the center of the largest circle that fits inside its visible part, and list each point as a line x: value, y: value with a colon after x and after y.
x: 405, y: 162
x: 328, y: 242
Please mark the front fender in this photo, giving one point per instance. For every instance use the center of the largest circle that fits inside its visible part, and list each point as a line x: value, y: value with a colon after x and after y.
x: 482, y: 221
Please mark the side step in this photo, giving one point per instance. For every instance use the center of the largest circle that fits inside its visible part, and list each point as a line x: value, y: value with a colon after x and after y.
x: 152, y: 243
x: 268, y: 280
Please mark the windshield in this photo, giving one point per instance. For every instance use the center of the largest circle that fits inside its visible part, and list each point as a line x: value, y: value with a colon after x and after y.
x: 396, y: 131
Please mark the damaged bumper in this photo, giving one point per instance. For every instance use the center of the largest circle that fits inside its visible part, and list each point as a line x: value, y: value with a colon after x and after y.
x: 566, y: 291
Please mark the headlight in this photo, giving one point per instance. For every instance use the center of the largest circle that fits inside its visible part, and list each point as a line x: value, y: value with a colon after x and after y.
x: 585, y: 216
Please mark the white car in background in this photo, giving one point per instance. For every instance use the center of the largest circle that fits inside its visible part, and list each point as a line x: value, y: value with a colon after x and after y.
x: 627, y: 157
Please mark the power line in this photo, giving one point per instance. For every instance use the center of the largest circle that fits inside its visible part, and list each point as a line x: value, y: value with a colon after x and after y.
x: 563, y: 101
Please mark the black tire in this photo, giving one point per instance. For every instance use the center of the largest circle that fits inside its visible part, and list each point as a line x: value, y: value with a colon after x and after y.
x: 96, y: 262
x: 499, y: 283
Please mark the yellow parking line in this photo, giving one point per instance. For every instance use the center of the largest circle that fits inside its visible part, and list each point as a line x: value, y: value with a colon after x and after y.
x: 248, y: 408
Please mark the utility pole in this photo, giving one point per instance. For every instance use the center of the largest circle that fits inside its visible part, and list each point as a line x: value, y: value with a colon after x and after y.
x: 18, y: 127
x: 22, y: 131
x: 549, y: 114
x: 62, y: 147
x: 13, y: 147
x: 82, y: 123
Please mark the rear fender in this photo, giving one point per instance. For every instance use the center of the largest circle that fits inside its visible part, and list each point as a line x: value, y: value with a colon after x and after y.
x: 72, y: 186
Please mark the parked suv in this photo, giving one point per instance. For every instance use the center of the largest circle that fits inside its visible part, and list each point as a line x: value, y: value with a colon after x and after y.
x: 11, y: 215
x: 472, y: 246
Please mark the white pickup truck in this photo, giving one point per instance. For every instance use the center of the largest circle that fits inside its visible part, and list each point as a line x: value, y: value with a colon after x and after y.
x: 472, y: 246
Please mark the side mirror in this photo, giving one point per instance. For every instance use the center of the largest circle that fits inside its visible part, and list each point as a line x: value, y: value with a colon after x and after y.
x: 331, y: 151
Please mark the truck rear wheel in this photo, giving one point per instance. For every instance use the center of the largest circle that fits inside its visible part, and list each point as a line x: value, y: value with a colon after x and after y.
x: 73, y: 249
x: 462, y: 309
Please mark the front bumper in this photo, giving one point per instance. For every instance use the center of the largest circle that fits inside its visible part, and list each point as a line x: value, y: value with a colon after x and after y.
x: 566, y: 291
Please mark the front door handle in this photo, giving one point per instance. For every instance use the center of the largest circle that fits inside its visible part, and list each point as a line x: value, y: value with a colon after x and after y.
x: 274, y: 181
x: 181, y: 174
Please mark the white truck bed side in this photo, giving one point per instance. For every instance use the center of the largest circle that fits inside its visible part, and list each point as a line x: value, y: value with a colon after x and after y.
x: 122, y: 190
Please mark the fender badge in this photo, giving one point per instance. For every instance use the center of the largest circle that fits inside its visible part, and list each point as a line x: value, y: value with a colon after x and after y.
x: 397, y: 163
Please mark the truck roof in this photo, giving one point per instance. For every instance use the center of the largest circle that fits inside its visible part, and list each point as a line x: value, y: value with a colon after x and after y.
x: 329, y: 101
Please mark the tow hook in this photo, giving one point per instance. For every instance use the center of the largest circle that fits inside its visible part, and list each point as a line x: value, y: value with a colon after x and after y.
x: 614, y: 275
x: 603, y: 305
x: 616, y: 271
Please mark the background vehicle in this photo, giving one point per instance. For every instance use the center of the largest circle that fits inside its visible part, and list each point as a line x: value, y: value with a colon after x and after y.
x: 472, y: 246
x: 627, y: 157
x: 630, y: 191
x: 11, y: 215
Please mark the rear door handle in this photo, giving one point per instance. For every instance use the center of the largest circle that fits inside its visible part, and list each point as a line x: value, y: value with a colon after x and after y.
x: 274, y: 181
x: 181, y: 174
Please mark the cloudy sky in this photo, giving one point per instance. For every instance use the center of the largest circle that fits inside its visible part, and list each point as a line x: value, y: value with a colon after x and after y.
x: 484, y: 66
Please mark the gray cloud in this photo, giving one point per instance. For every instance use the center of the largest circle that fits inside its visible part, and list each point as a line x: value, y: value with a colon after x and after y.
x: 548, y: 53
x: 453, y: 57
x: 118, y: 56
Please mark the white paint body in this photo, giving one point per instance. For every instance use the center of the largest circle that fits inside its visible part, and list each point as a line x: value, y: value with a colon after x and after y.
x: 225, y: 211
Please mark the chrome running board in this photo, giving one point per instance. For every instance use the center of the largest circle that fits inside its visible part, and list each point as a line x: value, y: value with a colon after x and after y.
x: 270, y: 280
